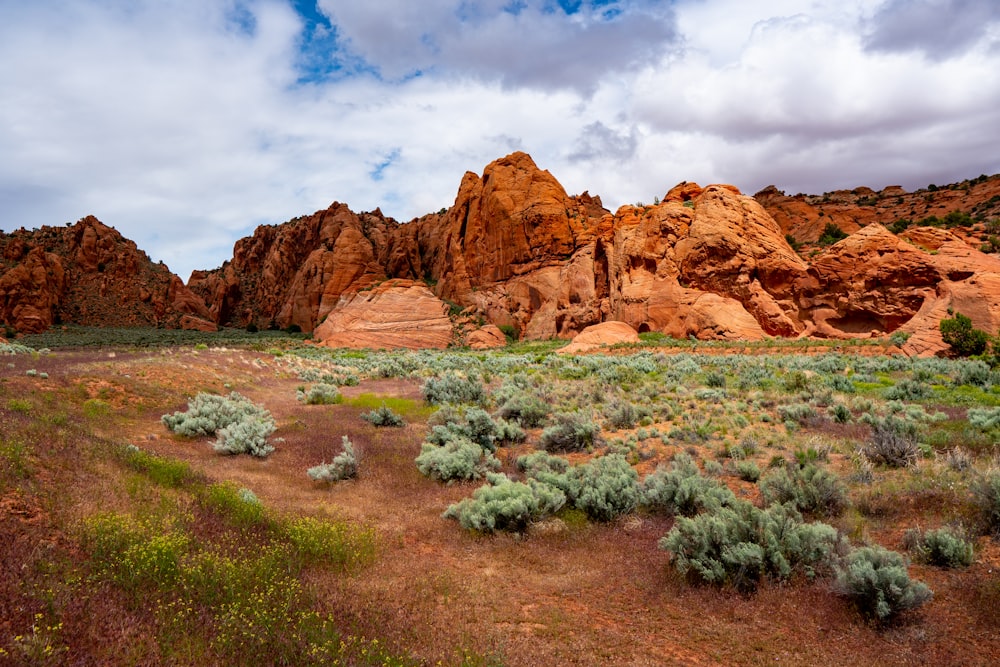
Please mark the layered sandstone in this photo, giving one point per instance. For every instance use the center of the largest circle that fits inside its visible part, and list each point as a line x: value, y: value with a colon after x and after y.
x: 600, y: 335
x: 393, y: 314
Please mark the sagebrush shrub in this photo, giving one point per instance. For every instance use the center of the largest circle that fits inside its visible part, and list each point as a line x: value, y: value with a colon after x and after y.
x: 458, y: 459
x: 748, y: 471
x: 506, y: 505
x: 474, y: 424
x: 986, y: 497
x: 320, y: 394
x: 453, y: 388
x: 209, y: 413
x: 681, y: 489
x: 984, y: 418
x: 343, y: 466
x: 623, y: 414
x: 608, y: 487
x: 943, y: 547
x: 891, y: 446
x: 811, y: 489
x: 552, y: 470
x: 247, y: 436
x: 739, y: 544
x: 570, y: 433
x: 528, y: 410
x: 384, y: 416
x: 876, y: 581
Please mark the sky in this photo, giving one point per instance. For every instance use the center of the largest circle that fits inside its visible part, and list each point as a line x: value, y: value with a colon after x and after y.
x: 185, y: 124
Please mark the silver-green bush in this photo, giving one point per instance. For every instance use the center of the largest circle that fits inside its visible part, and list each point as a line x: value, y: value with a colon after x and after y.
x: 876, y: 581
x: 943, y: 547
x: 681, y: 489
x: 570, y: 433
x: 384, y: 416
x: 810, y: 489
x: 240, y: 425
x: 320, y: 394
x: 506, y: 505
x: 453, y: 388
x: 608, y: 487
x: 458, y: 459
x: 343, y: 466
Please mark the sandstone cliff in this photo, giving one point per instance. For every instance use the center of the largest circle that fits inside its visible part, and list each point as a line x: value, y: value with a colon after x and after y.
x: 87, y: 273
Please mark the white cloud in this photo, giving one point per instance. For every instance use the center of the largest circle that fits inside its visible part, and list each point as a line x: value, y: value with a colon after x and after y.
x: 185, y: 124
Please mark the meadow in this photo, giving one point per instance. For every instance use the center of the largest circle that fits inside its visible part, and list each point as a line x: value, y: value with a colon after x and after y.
x: 671, y: 502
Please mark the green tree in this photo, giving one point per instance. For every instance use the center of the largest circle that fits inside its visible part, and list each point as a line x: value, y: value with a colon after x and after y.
x: 963, y: 339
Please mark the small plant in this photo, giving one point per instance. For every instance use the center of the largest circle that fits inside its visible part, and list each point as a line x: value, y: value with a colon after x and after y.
x: 683, y: 490
x: 944, y: 547
x: 831, y: 234
x: 343, y: 466
x: 506, y: 505
x: 876, y: 581
x: 320, y: 394
x: 748, y: 471
x: 986, y: 497
x: 528, y: 410
x: 384, y: 416
x: 623, y: 414
x: 810, y: 489
x: 570, y: 433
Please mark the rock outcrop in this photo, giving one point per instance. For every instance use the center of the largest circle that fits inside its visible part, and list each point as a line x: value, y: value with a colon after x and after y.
x: 87, y: 273
x: 486, y: 338
x: 393, y: 314
x: 600, y: 335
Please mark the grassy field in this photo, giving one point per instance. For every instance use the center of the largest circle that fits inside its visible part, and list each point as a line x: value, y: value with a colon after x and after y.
x: 126, y: 543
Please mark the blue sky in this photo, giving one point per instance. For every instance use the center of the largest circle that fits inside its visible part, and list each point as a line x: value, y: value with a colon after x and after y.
x: 185, y: 124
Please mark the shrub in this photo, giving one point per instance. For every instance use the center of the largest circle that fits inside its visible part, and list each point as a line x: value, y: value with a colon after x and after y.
x: 384, y: 416
x: 240, y: 425
x: 840, y: 413
x: 831, y: 234
x: 739, y: 544
x: 891, y: 446
x: 908, y: 390
x: 809, y: 489
x: 801, y: 413
x: 876, y: 581
x: 458, y: 459
x: 235, y: 504
x: 748, y: 471
x: 552, y: 470
x: 247, y: 436
x: 683, y: 490
x: 506, y: 505
x: 963, y: 339
x: 609, y: 487
x: 343, y: 466
x: 570, y: 433
x: 527, y: 409
x: 715, y: 379
x: 986, y: 497
x: 320, y: 394
x: 944, y: 547
x: 974, y: 373
x: 476, y: 425
x: 984, y: 418
x: 453, y: 388
x: 622, y: 414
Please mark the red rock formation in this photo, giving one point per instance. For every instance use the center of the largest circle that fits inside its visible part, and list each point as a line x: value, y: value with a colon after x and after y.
x: 393, y: 314
x: 600, y: 335
x: 88, y: 273
x: 294, y: 274
x: 486, y: 338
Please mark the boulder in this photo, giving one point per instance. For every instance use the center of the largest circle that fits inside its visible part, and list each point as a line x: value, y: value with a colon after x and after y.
x: 486, y: 338
x: 393, y: 314
x: 600, y: 335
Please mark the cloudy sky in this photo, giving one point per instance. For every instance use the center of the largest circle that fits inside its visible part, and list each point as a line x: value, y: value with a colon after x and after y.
x: 186, y: 123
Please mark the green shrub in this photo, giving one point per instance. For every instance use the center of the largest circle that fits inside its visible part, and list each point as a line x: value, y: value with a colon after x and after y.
x: 248, y: 436
x: 239, y: 425
x: 552, y: 470
x: 840, y: 413
x: 320, y: 394
x: 163, y: 471
x: 458, y: 459
x: 527, y: 409
x: 801, y: 413
x: 453, y: 388
x: 473, y: 424
x: 683, y: 490
x: 608, y: 487
x: 963, y: 339
x: 623, y: 414
x: 383, y: 416
x: 809, y: 489
x: 876, y: 581
x: 909, y: 390
x: 715, y: 380
x: 831, y: 234
x: 343, y: 466
x: 570, y: 433
x: 984, y: 418
x: 973, y: 373
x: 506, y: 505
x: 235, y: 504
x: 986, y: 497
x: 943, y: 547
x: 748, y: 471
x: 739, y: 544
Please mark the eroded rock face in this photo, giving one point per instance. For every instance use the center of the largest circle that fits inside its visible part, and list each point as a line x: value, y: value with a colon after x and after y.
x: 87, y: 273
x: 393, y: 314
x: 486, y: 338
